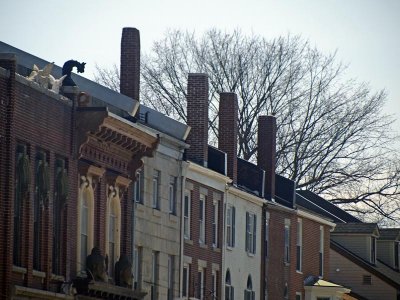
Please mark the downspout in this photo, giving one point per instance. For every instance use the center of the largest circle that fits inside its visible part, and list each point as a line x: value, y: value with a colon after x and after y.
x: 182, y: 239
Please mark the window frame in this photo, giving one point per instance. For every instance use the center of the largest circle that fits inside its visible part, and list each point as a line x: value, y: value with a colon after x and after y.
x: 287, y: 244
x: 185, y: 282
x: 202, y: 219
x: 138, y: 187
x: 215, y: 224
x: 251, y: 233
x: 321, y: 251
x: 299, y: 246
x: 230, y: 226
x: 137, y: 268
x: 187, y: 203
x: 156, y: 180
x: 155, y: 256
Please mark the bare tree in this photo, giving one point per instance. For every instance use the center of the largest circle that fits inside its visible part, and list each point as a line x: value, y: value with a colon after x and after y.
x: 333, y: 138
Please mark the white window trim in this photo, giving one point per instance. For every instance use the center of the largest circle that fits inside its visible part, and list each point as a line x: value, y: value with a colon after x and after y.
x: 215, y: 223
x: 202, y: 222
x: 287, y: 244
x: 230, y: 238
x: 251, y: 237
x: 172, y: 192
x: 185, y: 281
x: 156, y: 180
x: 186, y: 229
x: 202, y: 281
x: 114, y: 201
x: 85, y: 189
x: 299, y: 243
x: 321, y: 249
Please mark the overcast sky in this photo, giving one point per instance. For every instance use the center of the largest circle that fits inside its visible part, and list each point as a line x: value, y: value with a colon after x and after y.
x: 365, y: 33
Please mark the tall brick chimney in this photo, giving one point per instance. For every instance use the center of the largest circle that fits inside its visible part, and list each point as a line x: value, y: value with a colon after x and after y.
x: 228, y: 131
x: 197, y: 118
x: 267, y: 152
x: 130, y: 63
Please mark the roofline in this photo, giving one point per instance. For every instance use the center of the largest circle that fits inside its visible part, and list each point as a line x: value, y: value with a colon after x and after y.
x: 316, y: 218
x: 246, y: 196
x: 361, y: 263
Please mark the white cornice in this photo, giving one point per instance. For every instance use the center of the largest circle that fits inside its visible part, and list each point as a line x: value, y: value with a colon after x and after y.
x: 246, y: 196
x: 208, y: 177
x: 310, y: 216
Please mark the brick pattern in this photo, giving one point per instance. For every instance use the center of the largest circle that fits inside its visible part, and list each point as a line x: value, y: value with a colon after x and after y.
x: 197, y: 118
x: 204, y: 252
x: 130, y: 63
x: 7, y: 102
x: 228, y: 131
x: 266, y: 155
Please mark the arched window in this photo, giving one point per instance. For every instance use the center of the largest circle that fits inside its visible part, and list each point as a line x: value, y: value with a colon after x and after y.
x: 229, y: 290
x: 85, y: 221
x: 113, y: 228
x: 249, y: 294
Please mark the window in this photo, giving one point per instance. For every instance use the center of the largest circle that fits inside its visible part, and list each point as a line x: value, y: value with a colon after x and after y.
x: 138, y: 187
x: 154, y: 275
x: 202, y: 224
x: 299, y: 245
x: 42, y: 188
x: 286, y: 291
x: 229, y: 290
x: 266, y: 241
x: 186, y: 215
x: 171, y: 271
x: 321, y: 251
x: 200, y: 283
x: 22, y: 181
x: 113, y: 228
x: 60, y: 197
x: 396, y: 255
x: 230, y: 226
x: 172, y: 194
x: 215, y: 224
x: 251, y: 226
x: 137, y: 271
x: 185, y: 284
x: 367, y: 280
x: 249, y: 294
x: 214, y: 281
x: 156, y: 192
x: 298, y: 296
x: 373, y: 249
x: 287, y: 243
x: 85, y: 221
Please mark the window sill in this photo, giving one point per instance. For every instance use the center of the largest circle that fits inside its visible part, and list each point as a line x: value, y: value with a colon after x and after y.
x: 299, y: 272
x: 202, y: 245
x: 229, y: 248
x: 58, y: 278
x: 39, y: 274
x: 187, y: 241
x: 286, y: 263
x: 216, y: 249
x: 173, y: 218
x: 156, y: 212
x: 20, y: 270
x: 249, y: 254
x: 140, y: 207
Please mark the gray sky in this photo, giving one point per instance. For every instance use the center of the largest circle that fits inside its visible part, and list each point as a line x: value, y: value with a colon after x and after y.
x: 364, y: 32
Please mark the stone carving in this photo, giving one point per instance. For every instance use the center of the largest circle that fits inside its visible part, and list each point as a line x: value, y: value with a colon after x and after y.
x: 41, y: 76
x: 123, y: 272
x: 67, y: 69
x: 96, y: 266
x: 56, y: 83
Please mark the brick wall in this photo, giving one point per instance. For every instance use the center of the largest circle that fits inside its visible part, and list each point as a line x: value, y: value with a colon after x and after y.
x: 204, y: 252
x: 197, y: 118
x: 228, y: 131
x: 7, y: 102
x: 266, y: 155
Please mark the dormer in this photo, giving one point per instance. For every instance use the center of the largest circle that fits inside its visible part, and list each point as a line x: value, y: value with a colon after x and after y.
x: 359, y: 238
x: 389, y: 247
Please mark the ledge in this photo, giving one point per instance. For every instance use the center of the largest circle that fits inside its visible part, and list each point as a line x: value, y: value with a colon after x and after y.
x: 20, y: 270
x: 37, y: 273
x: 38, y: 294
x: 190, y: 242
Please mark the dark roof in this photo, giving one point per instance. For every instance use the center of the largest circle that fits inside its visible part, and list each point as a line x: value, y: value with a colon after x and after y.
x: 380, y: 270
x: 216, y: 160
x: 389, y: 234
x: 250, y: 177
x: 313, y: 202
x: 285, y: 190
x: 359, y: 228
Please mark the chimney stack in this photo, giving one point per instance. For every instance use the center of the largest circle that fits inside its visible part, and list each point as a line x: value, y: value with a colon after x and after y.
x: 130, y: 63
x: 267, y: 152
x: 197, y: 118
x: 228, y: 131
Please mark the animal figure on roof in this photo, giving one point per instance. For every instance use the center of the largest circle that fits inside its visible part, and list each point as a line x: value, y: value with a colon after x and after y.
x: 41, y: 76
x: 67, y: 69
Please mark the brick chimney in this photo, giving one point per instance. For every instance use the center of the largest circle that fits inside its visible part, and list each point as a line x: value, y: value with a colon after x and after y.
x: 130, y: 63
x: 267, y: 152
x: 228, y: 131
x: 197, y: 118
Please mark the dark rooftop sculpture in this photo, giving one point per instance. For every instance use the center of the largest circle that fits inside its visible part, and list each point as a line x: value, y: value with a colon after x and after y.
x: 67, y: 69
